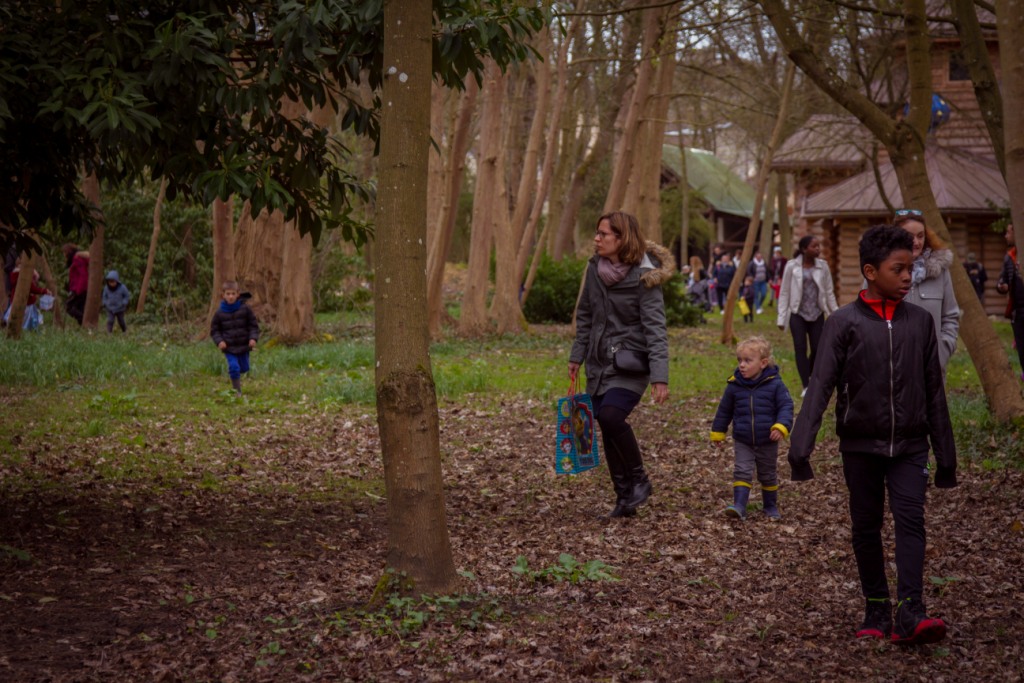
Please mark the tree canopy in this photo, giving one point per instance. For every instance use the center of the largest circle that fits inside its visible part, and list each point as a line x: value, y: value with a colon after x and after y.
x: 192, y: 91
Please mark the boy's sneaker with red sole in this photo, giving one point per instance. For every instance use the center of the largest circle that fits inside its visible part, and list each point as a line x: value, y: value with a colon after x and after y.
x: 877, y: 619
x: 913, y: 626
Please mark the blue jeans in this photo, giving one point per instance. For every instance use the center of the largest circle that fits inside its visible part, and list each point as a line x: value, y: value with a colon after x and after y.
x: 760, y: 293
x: 238, y: 364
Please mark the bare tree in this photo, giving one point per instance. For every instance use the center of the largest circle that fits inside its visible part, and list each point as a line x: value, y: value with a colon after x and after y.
x: 904, y: 140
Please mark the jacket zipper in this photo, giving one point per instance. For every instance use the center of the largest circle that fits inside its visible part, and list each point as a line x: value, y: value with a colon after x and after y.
x: 892, y: 396
x: 846, y: 391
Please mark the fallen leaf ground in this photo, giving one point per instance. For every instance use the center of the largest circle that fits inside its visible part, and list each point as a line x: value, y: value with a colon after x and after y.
x: 252, y: 565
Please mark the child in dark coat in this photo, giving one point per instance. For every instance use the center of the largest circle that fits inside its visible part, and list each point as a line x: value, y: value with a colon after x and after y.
x: 116, y: 298
x: 760, y: 409
x: 883, y: 356
x: 234, y: 329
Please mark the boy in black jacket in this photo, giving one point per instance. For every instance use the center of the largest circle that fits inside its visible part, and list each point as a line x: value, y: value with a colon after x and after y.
x: 234, y: 329
x: 882, y: 355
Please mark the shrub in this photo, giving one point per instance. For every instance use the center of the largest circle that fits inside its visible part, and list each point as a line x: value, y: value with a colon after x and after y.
x: 679, y: 312
x: 553, y: 295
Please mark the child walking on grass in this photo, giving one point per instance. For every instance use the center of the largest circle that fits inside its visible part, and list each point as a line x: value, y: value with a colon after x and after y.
x: 883, y: 356
x: 234, y: 329
x: 760, y: 409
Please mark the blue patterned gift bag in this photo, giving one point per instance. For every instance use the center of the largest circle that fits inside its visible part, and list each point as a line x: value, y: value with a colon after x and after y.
x: 576, y: 445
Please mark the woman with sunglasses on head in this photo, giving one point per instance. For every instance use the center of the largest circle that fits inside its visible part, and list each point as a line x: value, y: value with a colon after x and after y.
x: 931, y: 284
x: 806, y: 297
x: 622, y: 338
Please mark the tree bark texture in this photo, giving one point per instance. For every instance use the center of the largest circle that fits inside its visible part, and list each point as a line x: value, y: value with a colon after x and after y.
x: 19, y: 297
x: 1010, y: 24
x: 151, y: 259
x: 418, y: 542
x: 223, y: 253
x: 473, y: 320
x: 654, y: 28
x: 983, y: 74
x: 728, y: 336
x: 94, y: 295
x: 904, y: 141
x: 455, y: 173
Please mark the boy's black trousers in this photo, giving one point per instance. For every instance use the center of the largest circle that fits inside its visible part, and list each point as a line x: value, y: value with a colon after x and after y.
x: 905, y: 478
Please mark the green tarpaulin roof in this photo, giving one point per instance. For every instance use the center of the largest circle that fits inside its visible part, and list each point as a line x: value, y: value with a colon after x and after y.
x: 720, y: 187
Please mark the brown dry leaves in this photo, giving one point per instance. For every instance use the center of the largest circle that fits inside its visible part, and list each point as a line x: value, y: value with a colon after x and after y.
x: 255, y: 562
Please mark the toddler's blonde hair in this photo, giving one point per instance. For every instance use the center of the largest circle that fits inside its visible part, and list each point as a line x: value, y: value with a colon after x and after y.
x: 760, y: 345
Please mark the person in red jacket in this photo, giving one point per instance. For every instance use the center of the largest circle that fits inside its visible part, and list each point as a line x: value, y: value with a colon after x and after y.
x: 32, y: 317
x: 78, y: 280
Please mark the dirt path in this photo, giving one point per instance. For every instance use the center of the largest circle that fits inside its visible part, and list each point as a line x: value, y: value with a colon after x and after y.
x: 263, y: 576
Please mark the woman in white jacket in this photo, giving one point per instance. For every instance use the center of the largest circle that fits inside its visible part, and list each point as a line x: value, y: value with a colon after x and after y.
x: 806, y: 297
x: 931, y: 284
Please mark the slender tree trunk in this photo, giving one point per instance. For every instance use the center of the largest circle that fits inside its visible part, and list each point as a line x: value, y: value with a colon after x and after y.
x: 764, y: 244
x: 43, y: 266
x: 649, y: 158
x: 684, y: 205
x: 458, y: 148
x: 223, y: 253
x: 785, y: 227
x: 979, y: 65
x: 474, y: 300
x: 151, y: 259
x: 94, y: 295
x: 418, y: 542
x: 1010, y: 24
x: 20, y: 295
x: 728, y: 336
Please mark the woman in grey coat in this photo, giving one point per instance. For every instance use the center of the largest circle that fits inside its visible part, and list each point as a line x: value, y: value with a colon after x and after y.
x: 931, y: 284
x: 620, y: 318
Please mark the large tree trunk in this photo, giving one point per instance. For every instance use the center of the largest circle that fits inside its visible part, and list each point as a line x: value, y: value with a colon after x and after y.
x: 728, y: 336
x: 904, y: 141
x: 1010, y: 24
x: 151, y: 259
x: 223, y: 253
x: 647, y: 177
x: 418, y: 542
x: 94, y: 295
x: 654, y: 29
x: 295, y: 322
x: 473, y: 320
x: 458, y: 148
x: 257, y: 261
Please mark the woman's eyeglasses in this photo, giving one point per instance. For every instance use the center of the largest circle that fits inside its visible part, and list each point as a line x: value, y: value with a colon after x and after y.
x: 908, y: 213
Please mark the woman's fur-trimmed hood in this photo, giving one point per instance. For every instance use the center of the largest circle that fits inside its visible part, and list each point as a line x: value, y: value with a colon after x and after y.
x: 937, y: 261
x: 663, y: 265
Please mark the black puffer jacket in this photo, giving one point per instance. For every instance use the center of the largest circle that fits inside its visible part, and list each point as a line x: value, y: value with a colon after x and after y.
x: 891, y: 401
x: 236, y: 327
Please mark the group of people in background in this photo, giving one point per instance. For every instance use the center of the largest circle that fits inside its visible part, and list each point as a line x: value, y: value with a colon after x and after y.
x: 885, y: 353
x: 708, y: 288
x: 114, y: 300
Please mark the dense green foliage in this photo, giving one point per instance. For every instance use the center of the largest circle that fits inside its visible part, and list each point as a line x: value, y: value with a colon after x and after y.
x: 553, y: 295
x: 679, y: 312
x: 192, y: 91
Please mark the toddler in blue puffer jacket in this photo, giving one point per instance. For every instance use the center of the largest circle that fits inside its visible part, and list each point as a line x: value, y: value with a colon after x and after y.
x: 760, y: 409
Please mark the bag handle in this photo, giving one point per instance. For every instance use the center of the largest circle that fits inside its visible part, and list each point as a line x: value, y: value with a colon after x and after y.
x: 572, y: 386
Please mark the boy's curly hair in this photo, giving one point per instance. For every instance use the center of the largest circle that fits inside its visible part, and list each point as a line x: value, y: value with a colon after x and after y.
x: 761, y: 346
x: 881, y: 240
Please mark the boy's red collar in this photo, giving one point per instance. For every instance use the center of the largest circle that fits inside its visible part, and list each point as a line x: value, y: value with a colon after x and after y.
x: 884, y: 308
